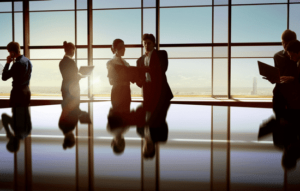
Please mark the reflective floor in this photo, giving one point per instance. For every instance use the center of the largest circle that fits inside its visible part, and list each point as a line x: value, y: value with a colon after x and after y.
x: 198, y: 148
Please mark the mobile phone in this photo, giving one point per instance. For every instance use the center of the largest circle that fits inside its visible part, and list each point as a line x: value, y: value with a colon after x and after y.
x: 12, y: 55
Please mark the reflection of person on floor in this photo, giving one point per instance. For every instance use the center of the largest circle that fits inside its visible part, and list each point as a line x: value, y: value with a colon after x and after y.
x: 154, y: 83
x: 118, y: 124
x: 20, y: 71
x: 67, y: 123
x: 20, y: 124
x: 286, y: 135
x: 155, y: 129
x: 284, y: 90
x: 70, y: 85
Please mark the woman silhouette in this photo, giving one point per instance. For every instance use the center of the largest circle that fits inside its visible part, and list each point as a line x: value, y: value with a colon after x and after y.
x: 119, y: 78
x: 70, y: 85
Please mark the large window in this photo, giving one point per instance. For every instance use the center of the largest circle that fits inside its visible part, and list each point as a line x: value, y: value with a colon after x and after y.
x: 213, y: 45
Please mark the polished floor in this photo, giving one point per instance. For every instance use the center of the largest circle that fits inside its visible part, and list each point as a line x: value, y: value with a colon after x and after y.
x: 199, y: 148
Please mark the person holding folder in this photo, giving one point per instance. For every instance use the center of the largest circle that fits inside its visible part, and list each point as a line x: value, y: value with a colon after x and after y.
x: 70, y: 85
x: 284, y: 92
x: 20, y: 72
x: 119, y: 77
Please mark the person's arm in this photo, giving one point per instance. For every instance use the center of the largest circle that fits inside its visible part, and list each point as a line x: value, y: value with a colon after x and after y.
x: 164, y: 61
x: 140, y: 79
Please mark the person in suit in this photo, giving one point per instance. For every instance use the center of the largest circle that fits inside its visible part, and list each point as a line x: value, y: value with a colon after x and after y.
x: 119, y: 78
x: 20, y: 72
x: 154, y: 83
x: 284, y: 92
x: 70, y: 85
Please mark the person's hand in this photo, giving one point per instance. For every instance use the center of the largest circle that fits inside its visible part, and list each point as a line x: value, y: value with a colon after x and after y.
x: 80, y: 76
x: 139, y: 83
x: 272, y: 81
x: 8, y: 59
x: 286, y: 79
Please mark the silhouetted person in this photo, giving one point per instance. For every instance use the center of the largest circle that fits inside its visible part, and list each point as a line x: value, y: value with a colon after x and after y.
x: 284, y: 90
x: 154, y: 83
x: 20, y: 71
x: 70, y: 85
x: 20, y: 127
x: 67, y: 123
x: 119, y: 78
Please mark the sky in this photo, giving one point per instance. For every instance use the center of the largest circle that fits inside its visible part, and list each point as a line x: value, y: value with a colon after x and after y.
x: 262, y: 23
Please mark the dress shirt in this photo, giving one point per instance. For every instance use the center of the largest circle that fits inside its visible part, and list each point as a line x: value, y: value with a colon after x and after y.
x: 20, y: 72
x: 112, y: 74
x: 147, y: 63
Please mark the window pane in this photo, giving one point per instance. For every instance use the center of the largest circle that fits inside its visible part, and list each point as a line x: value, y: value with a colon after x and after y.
x: 6, y: 20
x: 294, y: 1
x: 189, y: 77
x: 221, y: 2
x: 47, y: 54
x: 265, y: 23
x: 112, y: 24
x: 5, y: 7
x: 107, y: 53
x: 81, y: 4
x: 220, y: 78
x: 185, y: 25
x: 221, y: 24
x: 188, y: 52
x: 149, y: 21
x: 246, y: 80
x: 184, y: 3
x: 51, y: 5
x: 82, y: 28
x: 3, y: 54
x: 53, y: 29
x: 18, y: 6
x: 294, y: 18
x: 82, y: 53
x: 46, y: 78
x: 221, y: 51
x: 19, y: 28
x: 149, y: 3
x: 254, y: 51
x: 257, y: 1
x: 103, y: 4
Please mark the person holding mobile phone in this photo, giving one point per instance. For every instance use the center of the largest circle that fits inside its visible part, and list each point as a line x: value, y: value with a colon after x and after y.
x: 20, y: 72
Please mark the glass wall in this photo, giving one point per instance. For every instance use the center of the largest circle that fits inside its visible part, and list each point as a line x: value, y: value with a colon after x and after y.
x: 213, y: 45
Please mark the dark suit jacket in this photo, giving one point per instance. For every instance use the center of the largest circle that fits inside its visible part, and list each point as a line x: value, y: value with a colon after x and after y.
x: 69, y: 72
x: 158, y: 89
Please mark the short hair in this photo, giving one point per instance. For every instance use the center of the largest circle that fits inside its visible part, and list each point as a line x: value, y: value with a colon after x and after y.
x: 293, y: 46
x: 147, y: 36
x: 13, y: 47
x: 288, y: 35
x: 68, y: 46
x: 115, y: 44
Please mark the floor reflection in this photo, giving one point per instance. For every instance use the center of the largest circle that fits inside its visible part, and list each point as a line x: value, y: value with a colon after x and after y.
x: 181, y: 147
